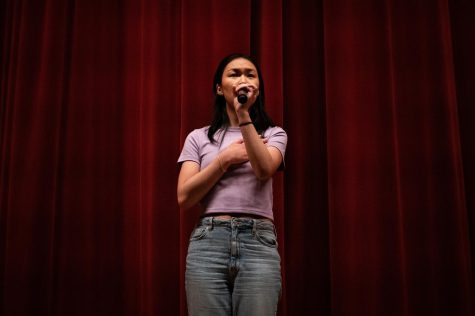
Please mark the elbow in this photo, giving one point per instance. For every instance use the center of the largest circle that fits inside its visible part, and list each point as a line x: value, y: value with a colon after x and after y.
x: 183, y: 204
x: 264, y: 175
x: 263, y: 171
x: 184, y: 201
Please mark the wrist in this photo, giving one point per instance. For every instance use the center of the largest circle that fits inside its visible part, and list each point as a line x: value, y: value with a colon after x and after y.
x: 223, y: 162
x: 245, y: 123
x: 243, y: 116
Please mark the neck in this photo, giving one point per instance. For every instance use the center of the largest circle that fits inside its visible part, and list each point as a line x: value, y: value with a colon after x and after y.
x: 233, y: 119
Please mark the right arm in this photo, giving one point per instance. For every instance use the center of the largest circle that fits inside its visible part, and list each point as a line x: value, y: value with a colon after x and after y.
x: 194, y: 184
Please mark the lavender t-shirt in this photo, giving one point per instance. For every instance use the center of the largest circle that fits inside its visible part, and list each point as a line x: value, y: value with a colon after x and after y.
x: 238, y: 190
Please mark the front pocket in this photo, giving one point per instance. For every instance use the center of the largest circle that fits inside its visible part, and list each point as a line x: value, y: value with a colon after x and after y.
x: 199, y: 233
x: 267, y: 238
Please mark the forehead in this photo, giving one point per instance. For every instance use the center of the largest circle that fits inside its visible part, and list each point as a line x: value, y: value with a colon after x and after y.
x: 240, y: 63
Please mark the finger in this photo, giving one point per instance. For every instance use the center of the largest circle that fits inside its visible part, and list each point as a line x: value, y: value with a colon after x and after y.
x: 240, y: 86
x: 252, y: 87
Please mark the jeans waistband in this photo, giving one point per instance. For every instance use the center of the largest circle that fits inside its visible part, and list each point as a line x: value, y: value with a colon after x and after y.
x: 241, y: 222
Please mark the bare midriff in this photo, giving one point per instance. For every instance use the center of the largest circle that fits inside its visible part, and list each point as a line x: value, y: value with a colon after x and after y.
x: 229, y: 216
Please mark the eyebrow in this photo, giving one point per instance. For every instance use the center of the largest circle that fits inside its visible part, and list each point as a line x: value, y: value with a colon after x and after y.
x: 239, y: 69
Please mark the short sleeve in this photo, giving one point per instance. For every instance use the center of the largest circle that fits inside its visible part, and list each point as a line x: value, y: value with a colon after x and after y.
x: 277, y: 137
x: 191, y: 148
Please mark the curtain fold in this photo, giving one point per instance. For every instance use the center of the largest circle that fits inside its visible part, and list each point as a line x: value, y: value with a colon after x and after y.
x: 461, y: 13
x: 374, y: 211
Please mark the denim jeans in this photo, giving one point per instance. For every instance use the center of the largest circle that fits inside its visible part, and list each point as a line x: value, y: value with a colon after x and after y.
x: 233, y: 268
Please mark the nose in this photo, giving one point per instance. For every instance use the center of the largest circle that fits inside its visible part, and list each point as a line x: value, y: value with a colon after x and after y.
x: 243, y: 79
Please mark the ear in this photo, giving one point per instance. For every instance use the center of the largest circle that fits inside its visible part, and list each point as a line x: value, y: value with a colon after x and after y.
x: 219, y: 91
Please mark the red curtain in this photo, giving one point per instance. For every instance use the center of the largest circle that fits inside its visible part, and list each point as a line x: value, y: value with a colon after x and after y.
x: 375, y: 210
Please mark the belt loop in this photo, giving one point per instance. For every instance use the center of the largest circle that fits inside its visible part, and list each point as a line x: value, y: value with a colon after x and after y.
x: 212, y: 223
x: 254, y: 226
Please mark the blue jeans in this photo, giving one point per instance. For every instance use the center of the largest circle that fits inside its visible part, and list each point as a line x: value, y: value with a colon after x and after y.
x: 233, y: 268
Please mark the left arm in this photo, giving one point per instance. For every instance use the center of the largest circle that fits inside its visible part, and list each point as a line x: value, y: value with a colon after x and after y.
x: 264, y: 160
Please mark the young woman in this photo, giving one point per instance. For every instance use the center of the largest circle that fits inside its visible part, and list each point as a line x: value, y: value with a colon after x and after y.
x: 232, y: 266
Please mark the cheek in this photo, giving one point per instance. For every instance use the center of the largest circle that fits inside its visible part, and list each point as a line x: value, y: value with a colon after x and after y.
x: 228, y: 87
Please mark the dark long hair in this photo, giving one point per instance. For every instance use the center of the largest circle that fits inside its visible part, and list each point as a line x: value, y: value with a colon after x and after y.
x: 258, y: 115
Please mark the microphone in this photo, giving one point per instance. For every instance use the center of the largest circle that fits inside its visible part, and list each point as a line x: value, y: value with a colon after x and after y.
x: 242, y: 95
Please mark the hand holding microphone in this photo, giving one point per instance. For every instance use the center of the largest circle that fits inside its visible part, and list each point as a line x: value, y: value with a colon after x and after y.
x: 244, y: 92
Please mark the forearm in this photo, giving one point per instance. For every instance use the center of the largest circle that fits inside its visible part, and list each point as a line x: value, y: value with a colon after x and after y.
x: 198, y: 185
x: 259, y: 156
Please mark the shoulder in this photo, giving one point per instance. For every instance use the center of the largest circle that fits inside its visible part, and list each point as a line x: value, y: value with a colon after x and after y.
x: 194, y: 142
x: 199, y: 134
x: 277, y: 137
x: 275, y: 131
x: 200, y: 131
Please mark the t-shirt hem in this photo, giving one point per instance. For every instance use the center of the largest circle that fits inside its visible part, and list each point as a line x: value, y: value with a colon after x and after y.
x: 180, y: 161
x: 266, y: 214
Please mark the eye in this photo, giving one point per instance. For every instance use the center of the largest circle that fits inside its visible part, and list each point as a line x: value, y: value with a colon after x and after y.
x: 234, y: 75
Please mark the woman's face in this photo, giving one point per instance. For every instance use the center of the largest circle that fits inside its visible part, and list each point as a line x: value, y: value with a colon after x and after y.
x: 239, y: 73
